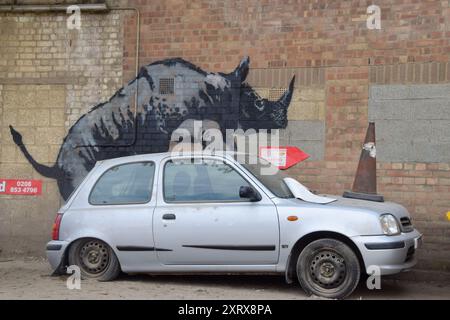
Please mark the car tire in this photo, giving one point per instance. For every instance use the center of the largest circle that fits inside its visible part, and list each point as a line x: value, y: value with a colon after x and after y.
x: 328, y: 268
x: 95, y: 259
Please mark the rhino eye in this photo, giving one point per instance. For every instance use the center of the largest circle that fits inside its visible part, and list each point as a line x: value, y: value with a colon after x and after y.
x: 259, y: 104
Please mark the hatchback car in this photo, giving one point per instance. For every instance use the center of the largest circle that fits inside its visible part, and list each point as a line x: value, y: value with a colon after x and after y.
x: 216, y: 213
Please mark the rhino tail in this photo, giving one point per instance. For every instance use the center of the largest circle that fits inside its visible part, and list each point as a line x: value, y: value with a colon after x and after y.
x: 46, y: 171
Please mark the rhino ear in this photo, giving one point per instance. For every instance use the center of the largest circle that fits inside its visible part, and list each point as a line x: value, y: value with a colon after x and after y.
x: 241, y: 71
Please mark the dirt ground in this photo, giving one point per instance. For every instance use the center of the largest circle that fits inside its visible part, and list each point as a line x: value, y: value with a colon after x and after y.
x: 30, y: 279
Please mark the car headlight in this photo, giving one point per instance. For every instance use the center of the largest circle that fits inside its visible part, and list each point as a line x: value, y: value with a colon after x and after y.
x: 389, y: 224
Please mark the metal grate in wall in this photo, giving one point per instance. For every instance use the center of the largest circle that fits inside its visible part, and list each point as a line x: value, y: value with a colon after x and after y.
x: 166, y: 86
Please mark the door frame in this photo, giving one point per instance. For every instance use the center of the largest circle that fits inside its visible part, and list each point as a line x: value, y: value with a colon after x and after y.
x: 251, y: 180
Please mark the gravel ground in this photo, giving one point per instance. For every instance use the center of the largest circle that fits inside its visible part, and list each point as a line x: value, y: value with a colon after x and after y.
x: 30, y: 279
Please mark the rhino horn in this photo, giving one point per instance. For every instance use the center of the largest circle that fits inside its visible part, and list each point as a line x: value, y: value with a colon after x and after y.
x: 285, y: 99
x: 241, y: 70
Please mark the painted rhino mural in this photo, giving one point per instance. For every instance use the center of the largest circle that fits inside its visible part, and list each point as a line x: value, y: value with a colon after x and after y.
x: 169, y: 92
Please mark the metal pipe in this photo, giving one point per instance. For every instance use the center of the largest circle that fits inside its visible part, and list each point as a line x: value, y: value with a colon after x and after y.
x: 138, y: 32
x: 98, y: 7
x: 136, y: 71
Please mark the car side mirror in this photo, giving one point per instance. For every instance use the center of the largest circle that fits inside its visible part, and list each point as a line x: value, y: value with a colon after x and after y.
x: 249, y: 193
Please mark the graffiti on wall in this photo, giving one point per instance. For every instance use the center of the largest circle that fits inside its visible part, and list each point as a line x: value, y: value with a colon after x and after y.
x: 140, y: 117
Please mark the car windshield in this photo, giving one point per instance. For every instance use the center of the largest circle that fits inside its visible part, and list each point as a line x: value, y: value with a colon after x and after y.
x: 270, y: 176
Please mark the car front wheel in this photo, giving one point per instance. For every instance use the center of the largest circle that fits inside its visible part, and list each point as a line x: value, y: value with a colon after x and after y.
x: 328, y: 268
x: 95, y: 259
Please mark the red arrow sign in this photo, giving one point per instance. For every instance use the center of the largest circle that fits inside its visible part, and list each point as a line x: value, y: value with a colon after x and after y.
x: 283, y: 157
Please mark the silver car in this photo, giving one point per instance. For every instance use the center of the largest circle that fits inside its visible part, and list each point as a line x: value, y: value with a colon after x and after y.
x: 216, y: 213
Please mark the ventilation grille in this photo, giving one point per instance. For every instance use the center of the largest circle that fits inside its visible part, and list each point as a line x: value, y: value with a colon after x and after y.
x: 410, y: 254
x: 277, y: 64
x: 166, y: 86
x: 406, y: 224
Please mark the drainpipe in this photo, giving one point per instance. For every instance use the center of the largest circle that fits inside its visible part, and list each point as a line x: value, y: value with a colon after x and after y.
x: 136, y: 73
x: 138, y: 32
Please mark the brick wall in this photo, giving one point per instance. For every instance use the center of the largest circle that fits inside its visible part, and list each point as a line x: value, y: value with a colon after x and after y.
x: 325, y: 43
x: 282, y: 37
x: 49, y: 77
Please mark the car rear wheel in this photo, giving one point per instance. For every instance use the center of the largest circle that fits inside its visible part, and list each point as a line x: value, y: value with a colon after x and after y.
x: 328, y: 268
x: 95, y: 259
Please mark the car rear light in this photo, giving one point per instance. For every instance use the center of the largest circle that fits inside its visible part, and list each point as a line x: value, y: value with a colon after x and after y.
x: 55, y: 228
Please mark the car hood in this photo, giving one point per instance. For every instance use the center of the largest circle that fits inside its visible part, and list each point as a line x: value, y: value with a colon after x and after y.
x: 302, y: 193
x: 393, y: 208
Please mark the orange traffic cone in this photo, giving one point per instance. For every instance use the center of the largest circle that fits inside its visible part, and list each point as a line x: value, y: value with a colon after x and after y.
x: 365, y: 184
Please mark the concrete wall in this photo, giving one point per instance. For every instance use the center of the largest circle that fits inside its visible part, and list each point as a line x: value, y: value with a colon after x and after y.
x: 413, y: 122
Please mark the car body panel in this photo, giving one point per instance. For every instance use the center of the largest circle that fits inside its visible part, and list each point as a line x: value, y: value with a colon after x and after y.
x: 117, y: 225
x: 55, y: 256
x: 390, y: 261
x: 233, y: 233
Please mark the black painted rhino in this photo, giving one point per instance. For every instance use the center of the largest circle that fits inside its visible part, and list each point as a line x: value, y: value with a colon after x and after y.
x: 169, y: 92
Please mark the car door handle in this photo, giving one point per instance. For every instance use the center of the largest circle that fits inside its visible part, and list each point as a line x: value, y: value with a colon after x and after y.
x: 169, y: 216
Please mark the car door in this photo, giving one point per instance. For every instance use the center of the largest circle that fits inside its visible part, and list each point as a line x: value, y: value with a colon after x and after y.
x: 200, y: 218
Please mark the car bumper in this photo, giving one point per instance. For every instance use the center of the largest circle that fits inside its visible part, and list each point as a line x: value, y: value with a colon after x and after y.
x: 55, y: 253
x: 391, y: 254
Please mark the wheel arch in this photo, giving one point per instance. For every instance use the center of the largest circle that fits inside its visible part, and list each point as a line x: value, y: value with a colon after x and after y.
x: 65, y: 257
x: 301, y: 243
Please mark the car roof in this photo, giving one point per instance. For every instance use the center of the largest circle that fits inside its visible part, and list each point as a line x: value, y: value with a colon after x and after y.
x: 157, y: 157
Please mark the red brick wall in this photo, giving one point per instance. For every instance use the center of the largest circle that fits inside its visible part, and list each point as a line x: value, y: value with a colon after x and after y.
x: 330, y: 34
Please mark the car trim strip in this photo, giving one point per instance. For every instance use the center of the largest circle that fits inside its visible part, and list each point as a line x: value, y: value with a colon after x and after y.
x: 137, y: 248
x: 54, y: 247
x: 385, y: 245
x: 234, y: 247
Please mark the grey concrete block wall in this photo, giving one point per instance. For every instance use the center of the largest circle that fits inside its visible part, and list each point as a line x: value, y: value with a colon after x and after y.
x: 412, y: 122
x: 309, y: 136
x: 408, y: 92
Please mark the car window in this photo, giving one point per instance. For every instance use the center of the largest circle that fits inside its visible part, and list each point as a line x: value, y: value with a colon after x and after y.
x: 124, y: 184
x: 274, y: 182
x: 208, y: 180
